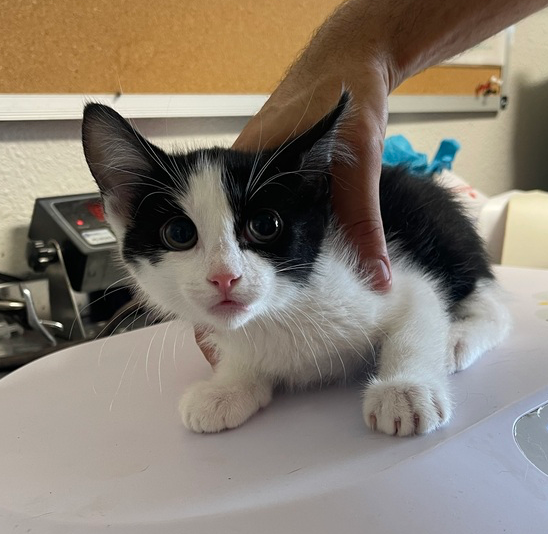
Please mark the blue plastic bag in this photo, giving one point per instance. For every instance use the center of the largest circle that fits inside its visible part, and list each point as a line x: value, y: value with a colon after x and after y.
x: 398, y: 151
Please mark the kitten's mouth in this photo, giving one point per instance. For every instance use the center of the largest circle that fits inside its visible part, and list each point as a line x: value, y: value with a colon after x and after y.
x: 229, y: 307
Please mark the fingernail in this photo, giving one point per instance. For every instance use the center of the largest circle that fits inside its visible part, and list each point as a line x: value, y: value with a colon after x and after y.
x: 382, y: 278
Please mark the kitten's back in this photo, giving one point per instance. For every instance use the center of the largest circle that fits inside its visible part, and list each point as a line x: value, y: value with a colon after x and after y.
x: 426, y: 224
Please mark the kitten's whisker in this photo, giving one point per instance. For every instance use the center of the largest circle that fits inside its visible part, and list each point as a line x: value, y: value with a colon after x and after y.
x: 137, y: 317
x: 145, y: 177
x: 283, y: 262
x: 321, y: 332
x: 385, y: 334
x: 249, y: 340
x: 151, y: 151
x: 177, y: 170
x: 109, y: 323
x: 285, y: 145
x: 312, y: 352
x: 285, y: 173
x: 308, y: 295
x: 280, y: 317
x: 276, y: 317
x: 161, y: 356
x: 175, y: 350
x: 279, y: 150
x: 171, y: 203
x: 148, y: 355
x: 122, y: 378
x: 105, y: 294
x: 301, y: 266
x: 322, y: 335
x: 146, y: 197
x: 258, y: 154
x: 99, y: 360
x: 143, y: 142
x: 335, y: 328
x: 137, y: 359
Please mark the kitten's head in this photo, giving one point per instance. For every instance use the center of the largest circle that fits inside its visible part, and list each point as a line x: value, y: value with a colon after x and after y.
x: 215, y: 236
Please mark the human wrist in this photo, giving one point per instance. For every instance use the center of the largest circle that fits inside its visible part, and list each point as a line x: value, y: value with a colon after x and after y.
x: 355, y: 42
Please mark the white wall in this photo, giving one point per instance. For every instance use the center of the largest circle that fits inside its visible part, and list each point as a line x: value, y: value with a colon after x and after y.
x: 498, y: 152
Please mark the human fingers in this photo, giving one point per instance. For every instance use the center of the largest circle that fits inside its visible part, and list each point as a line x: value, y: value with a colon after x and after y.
x: 200, y: 334
x: 356, y: 196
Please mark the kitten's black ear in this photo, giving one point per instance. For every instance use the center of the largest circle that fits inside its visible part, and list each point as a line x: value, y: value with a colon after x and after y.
x: 321, y: 145
x: 118, y: 157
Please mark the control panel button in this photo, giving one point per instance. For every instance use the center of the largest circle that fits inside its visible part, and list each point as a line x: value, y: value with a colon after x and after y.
x: 101, y: 236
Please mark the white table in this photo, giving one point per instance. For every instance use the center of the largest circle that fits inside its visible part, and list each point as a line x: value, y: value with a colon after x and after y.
x: 91, y: 441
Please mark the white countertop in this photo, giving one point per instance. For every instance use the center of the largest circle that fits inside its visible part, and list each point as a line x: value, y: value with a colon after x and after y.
x: 91, y: 441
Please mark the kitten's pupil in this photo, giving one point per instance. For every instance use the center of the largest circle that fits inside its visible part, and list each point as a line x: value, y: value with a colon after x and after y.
x: 264, y: 226
x: 179, y: 234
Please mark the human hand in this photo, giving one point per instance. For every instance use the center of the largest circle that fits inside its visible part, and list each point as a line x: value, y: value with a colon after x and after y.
x: 200, y: 334
x: 355, y: 188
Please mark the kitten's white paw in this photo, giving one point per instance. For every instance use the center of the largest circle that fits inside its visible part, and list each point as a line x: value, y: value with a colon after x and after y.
x: 405, y: 407
x: 462, y: 350
x: 209, y: 406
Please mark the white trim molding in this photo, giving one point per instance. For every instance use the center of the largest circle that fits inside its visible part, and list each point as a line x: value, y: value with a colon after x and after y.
x: 34, y: 107
x: 443, y: 104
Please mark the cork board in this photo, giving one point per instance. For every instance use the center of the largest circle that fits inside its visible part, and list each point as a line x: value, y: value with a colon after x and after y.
x: 172, y: 46
x: 448, y: 80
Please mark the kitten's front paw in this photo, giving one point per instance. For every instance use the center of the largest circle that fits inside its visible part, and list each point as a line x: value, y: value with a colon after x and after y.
x: 404, y: 407
x: 211, y: 407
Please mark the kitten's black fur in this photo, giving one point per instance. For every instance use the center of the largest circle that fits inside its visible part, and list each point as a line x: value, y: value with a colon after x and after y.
x: 426, y: 222
x: 421, y: 219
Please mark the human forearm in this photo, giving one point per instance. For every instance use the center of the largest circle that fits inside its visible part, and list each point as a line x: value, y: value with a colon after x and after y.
x: 404, y: 36
x: 433, y: 31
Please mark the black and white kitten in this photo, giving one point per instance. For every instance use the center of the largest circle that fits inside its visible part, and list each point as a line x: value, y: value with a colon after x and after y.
x: 246, y: 245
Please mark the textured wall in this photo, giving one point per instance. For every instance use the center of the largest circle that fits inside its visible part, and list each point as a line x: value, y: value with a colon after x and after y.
x: 509, y: 150
x: 498, y: 153
x: 45, y: 158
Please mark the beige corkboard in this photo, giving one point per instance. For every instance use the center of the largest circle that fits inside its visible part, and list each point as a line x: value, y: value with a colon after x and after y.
x: 448, y: 80
x: 171, y: 46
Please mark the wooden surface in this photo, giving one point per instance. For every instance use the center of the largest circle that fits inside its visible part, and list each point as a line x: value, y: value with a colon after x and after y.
x: 172, y: 46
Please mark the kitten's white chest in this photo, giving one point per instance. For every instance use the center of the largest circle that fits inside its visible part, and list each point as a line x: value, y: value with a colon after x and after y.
x: 316, y: 339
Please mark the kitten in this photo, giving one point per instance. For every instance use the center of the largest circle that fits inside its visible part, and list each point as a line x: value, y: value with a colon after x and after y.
x: 246, y: 245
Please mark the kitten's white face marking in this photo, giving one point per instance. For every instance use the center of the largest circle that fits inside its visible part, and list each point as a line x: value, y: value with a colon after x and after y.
x: 187, y: 282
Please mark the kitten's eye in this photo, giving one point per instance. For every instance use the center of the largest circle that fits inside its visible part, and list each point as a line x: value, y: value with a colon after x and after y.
x: 179, y: 234
x: 265, y: 226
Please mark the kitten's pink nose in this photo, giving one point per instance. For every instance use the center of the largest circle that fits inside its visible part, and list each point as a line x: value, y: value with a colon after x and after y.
x: 224, y: 281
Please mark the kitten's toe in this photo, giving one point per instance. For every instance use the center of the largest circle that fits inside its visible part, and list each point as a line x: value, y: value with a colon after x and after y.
x: 404, y: 407
x: 211, y: 407
x: 462, y: 351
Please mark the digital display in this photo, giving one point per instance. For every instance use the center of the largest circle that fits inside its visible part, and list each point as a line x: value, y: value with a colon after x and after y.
x: 96, y: 209
x: 87, y: 217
